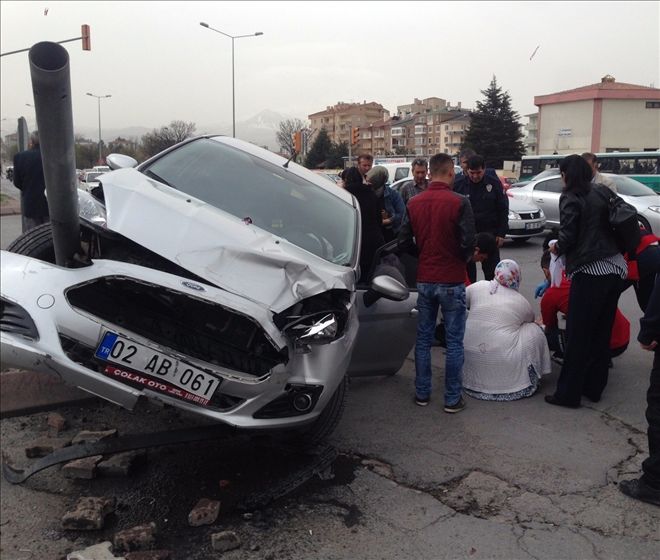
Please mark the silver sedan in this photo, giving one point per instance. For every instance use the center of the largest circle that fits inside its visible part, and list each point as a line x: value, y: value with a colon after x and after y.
x: 545, y: 193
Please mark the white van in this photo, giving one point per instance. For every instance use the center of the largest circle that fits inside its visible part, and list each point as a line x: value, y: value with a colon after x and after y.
x: 397, y: 171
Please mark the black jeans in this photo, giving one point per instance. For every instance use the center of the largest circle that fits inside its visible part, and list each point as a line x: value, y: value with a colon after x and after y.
x: 651, y: 465
x: 592, y: 303
x: 488, y: 267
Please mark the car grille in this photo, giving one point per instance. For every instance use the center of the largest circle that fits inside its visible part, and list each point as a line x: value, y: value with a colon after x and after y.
x: 530, y: 215
x: 16, y: 320
x: 188, y: 325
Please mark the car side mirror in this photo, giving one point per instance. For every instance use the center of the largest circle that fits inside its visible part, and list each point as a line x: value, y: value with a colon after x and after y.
x: 120, y: 161
x: 386, y: 287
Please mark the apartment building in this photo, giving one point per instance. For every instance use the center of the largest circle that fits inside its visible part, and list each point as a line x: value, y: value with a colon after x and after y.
x: 339, y: 119
x: 531, y: 134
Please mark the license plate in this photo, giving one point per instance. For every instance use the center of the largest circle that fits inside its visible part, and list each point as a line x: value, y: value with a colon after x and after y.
x: 166, y: 373
x: 533, y: 225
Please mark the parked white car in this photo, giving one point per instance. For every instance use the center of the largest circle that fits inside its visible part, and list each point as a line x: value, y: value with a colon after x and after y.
x: 545, y: 193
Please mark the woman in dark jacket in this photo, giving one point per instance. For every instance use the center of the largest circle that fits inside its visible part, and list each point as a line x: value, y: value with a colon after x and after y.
x: 372, y: 234
x: 596, y: 269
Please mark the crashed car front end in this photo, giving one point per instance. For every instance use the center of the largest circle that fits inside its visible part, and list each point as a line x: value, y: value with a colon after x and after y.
x: 248, y: 318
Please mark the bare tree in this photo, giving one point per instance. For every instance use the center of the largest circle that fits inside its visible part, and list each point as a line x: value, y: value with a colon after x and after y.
x: 159, y: 139
x: 285, y: 134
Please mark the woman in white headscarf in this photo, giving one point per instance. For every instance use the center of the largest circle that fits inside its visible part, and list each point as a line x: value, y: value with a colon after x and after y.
x: 505, y: 350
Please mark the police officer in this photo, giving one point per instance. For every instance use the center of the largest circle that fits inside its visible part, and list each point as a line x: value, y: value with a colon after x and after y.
x: 490, y: 206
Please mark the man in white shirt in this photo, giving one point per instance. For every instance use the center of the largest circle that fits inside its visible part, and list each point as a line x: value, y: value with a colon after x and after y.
x: 598, y: 177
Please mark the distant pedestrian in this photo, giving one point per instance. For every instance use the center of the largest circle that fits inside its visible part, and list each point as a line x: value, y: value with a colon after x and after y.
x: 29, y: 179
x: 441, y: 226
x: 392, y: 207
x: 596, y: 269
x: 647, y: 487
x: 491, y: 210
x: 418, y: 183
x: 597, y: 176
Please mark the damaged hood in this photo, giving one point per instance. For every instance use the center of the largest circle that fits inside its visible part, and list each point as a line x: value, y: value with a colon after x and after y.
x: 236, y: 256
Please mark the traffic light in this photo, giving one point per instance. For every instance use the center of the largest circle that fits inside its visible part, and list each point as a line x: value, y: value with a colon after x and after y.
x: 355, y: 135
x: 86, y: 40
x: 297, y: 141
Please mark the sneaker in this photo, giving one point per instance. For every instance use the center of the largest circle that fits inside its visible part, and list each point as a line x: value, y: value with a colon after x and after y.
x: 639, y: 490
x: 422, y: 401
x: 460, y: 405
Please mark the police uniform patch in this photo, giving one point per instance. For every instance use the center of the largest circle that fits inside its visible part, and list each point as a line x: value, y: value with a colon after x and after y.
x: 489, y: 187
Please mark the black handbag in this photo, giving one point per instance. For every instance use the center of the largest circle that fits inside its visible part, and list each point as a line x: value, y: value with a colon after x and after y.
x: 624, y: 221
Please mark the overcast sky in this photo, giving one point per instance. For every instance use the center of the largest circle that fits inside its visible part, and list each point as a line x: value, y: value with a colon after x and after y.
x: 159, y: 64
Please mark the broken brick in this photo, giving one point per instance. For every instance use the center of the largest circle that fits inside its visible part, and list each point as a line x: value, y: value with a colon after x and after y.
x: 82, y: 468
x: 87, y: 436
x: 120, y: 464
x: 136, y: 538
x: 43, y: 446
x: 205, y: 512
x: 225, y: 540
x: 56, y: 422
x: 89, y: 513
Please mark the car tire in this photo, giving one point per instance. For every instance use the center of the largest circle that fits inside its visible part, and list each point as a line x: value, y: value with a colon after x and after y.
x: 36, y: 243
x: 326, y: 423
x: 644, y: 222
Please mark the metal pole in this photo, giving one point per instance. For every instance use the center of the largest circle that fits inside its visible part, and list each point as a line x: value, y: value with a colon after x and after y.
x: 233, y: 92
x: 100, y: 154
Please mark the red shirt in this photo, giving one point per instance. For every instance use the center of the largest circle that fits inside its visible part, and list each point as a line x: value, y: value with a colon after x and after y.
x: 555, y: 299
x: 443, y: 226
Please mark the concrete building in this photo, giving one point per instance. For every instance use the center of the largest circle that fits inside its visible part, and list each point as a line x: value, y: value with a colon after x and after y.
x: 531, y: 134
x: 607, y: 116
x: 340, y: 118
x: 428, y: 105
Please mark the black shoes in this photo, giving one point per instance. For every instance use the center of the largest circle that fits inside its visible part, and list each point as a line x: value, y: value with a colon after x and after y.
x: 552, y: 399
x: 639, y: 490
x: 451, y: 409
x: 422, y: 401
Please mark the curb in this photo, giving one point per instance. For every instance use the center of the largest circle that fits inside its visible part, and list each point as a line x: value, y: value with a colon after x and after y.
x: 10, y: 207
x: 24, y: 392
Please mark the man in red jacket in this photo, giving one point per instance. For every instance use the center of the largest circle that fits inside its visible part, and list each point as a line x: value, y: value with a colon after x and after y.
x: 442, y: 225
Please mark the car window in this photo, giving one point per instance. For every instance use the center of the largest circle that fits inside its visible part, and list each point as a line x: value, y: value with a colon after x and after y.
x: 401, y: 172
x: 630, y: 187
x: 554, y: 185
x: 546, y: 173
x: 263, y: 194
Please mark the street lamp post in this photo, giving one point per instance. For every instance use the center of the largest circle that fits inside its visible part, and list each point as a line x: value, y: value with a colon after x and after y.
x: 98, y: 98
x: 233, y: 89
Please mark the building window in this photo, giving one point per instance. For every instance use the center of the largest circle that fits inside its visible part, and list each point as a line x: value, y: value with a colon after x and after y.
x: 446, y: 139
x: 420, y: 129
x: 420, y: 141
x: 653, y: 104
x: 397, y: 131
x: 446, y: 127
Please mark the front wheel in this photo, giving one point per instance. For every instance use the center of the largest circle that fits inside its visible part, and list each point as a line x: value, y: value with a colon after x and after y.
x: 36, y: 243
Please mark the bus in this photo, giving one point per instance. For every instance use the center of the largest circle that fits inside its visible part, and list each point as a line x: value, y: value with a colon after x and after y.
x: 641, y: 166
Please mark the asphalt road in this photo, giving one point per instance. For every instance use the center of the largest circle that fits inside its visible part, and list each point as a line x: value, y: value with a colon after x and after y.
x: 499, y: 480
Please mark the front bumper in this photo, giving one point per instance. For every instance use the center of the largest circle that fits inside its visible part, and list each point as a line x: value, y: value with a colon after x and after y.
x: 41, y: 289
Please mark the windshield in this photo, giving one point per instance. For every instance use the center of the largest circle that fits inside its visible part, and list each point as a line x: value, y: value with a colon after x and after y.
x: 630, y: 187
x: 262, y: 194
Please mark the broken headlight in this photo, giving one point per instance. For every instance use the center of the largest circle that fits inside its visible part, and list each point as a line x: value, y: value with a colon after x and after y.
x: 316, y: 320
x: 91, y: 209
x: 319, y: 327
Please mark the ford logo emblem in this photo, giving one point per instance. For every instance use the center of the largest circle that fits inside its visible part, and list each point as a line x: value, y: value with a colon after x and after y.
x: 194, y: 286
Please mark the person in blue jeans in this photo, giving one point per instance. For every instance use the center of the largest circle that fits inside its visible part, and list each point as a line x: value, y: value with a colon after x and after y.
x: 440, y: 225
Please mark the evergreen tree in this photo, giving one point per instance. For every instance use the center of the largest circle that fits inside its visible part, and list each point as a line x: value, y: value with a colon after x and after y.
x: 320, y: 151
x: 494, y: 128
